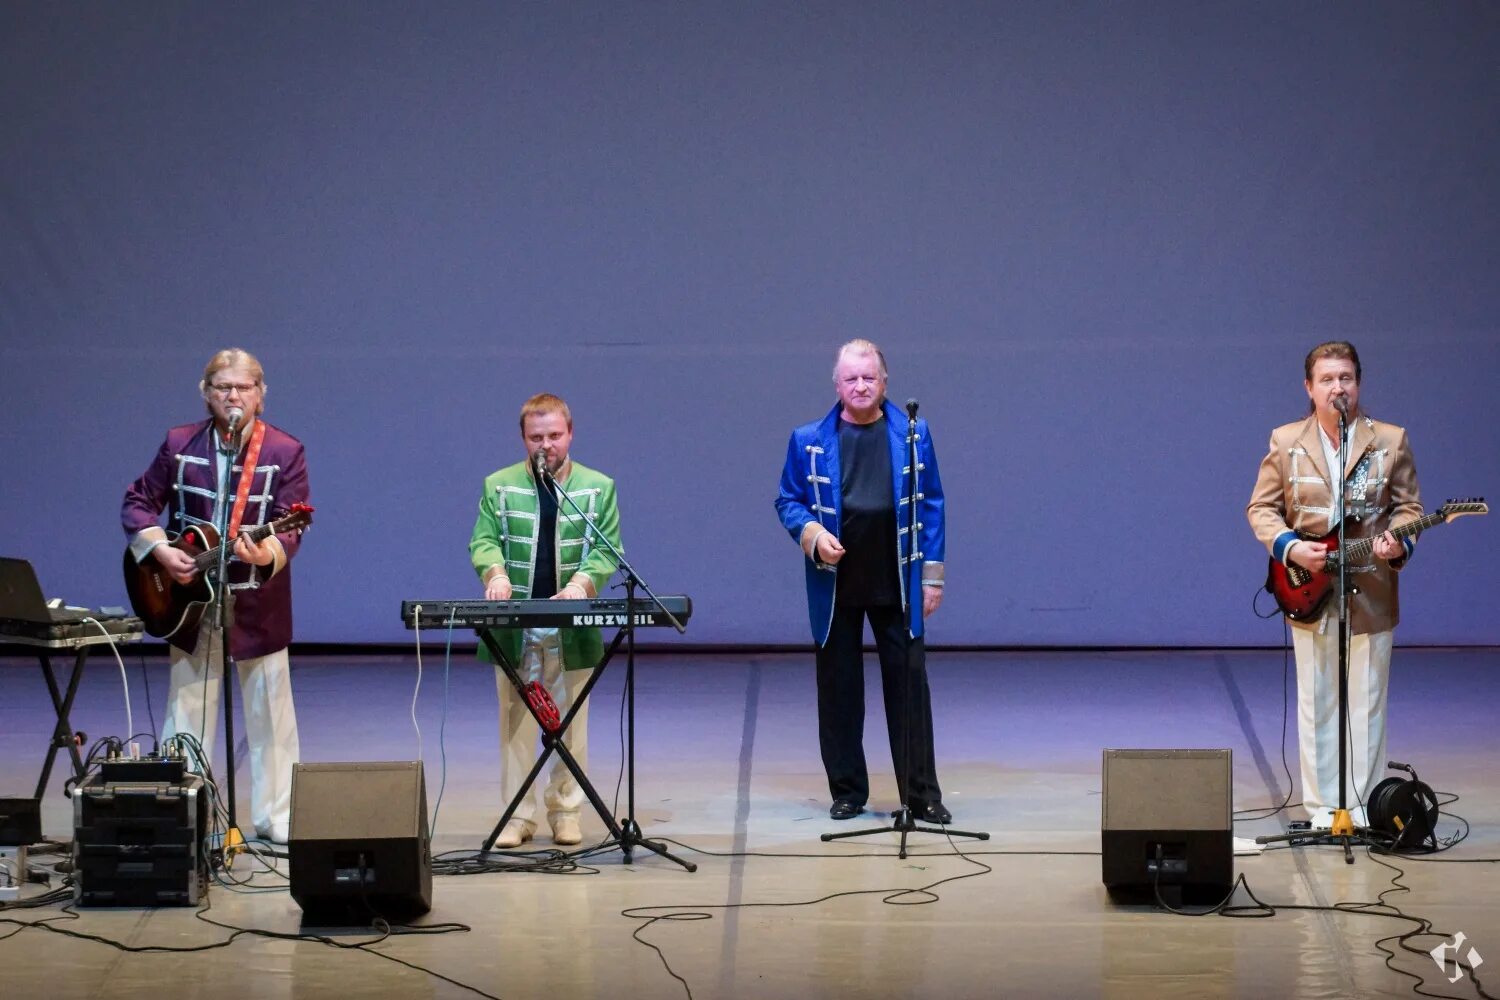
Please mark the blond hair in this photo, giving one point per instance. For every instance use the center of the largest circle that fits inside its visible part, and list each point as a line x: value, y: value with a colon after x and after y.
x: 862, y: 347
x: 545, y: 402
x: 234, y: 357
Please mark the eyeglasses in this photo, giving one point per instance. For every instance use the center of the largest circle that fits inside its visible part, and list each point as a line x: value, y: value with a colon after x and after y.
x: 226, y: 388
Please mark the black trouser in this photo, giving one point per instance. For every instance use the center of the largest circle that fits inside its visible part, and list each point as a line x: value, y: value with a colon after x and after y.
x: 908, y: 706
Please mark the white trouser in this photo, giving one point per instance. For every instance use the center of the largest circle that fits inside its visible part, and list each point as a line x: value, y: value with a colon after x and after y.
x: 1318, y: 716
x: 270, y: 722
x: 541, y: 660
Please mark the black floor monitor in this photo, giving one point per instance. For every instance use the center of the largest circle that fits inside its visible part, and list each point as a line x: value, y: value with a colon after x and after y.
x: 1167, y: 825
x: 359, y: 845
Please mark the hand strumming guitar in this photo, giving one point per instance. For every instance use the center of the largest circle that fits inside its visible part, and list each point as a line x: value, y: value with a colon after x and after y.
x: 178, y: 564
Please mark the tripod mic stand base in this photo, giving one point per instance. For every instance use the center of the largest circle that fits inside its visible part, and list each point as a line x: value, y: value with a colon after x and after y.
x: 903, y: 823
x: 1341, y: 829
x: 631, y: 837
x: 1343, y: 825
x: 234, y: 843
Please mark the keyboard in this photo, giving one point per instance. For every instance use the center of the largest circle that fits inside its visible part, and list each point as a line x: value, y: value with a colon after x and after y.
x: 598, y: 612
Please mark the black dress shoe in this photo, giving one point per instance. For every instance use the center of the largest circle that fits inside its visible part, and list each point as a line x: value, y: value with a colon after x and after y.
x: 844, y: 809
x: 932, y: 812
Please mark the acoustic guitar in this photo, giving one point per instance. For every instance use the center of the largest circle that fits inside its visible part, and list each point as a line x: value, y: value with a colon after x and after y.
x: 168, y: 607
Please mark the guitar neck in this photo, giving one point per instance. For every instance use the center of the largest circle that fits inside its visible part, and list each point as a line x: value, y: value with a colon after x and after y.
x: 210, y: 557
x: 1361, y: 548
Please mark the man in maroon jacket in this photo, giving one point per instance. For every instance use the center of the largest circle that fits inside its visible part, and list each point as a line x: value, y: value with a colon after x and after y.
x: 183, y: 479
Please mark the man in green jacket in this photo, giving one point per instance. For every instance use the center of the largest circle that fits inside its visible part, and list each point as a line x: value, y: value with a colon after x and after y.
x: 527, y: 543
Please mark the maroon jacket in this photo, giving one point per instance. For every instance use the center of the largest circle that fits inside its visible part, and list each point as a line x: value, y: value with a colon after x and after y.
x: 180, y: 480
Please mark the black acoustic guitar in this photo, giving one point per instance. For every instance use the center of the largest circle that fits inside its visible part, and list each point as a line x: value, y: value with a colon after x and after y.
x: 166, y: 606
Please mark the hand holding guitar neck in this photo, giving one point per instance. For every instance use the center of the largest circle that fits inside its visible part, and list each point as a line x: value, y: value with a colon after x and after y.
x: 248, y: 548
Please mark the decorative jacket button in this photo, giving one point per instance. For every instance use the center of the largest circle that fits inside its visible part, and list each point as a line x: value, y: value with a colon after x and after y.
x: 809, y: 478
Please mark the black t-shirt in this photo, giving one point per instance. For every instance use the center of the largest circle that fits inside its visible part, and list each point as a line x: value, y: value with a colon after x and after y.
x: 867, y: 526
x: 544, y: 583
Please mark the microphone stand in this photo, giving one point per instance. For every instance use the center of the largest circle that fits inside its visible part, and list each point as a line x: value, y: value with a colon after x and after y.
x: 629, y: 836
x: 902, y: 821
x: 223, y: 609
x: 1341, y: 828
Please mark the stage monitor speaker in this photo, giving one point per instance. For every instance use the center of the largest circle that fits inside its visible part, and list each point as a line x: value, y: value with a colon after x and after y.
x: 1167, y: 824
x: 359, y: 845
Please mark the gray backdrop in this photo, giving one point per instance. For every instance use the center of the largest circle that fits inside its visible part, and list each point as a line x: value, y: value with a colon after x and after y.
x: 1095, y: 239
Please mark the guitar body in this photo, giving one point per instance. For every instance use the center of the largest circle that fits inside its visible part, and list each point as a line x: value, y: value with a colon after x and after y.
x: 1301, y: 593
x: 164, y: 605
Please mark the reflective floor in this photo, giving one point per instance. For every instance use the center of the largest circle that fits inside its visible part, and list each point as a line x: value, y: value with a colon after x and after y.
x: 727, y: 773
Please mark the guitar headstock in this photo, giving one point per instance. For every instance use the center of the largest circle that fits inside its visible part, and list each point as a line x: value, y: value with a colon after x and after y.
x: 297, y: 517
x: 1461, y: 508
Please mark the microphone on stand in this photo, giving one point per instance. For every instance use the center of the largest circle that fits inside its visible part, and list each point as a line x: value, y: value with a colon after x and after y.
x: 911, y: 409
x: 235, y: 416
x: 543, y: 475
x: 1341, y: 404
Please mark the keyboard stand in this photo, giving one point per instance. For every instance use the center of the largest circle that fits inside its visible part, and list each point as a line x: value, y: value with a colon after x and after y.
x: 63, y: 735
x: 626, y: 837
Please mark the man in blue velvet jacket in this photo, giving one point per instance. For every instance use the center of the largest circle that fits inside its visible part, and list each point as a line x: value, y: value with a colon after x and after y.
x: 845, y: 497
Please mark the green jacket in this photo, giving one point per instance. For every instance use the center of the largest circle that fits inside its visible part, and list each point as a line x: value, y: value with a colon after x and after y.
x: 505, y: 534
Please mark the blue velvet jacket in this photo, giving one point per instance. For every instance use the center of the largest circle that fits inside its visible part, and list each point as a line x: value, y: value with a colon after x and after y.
x: 811, y: 491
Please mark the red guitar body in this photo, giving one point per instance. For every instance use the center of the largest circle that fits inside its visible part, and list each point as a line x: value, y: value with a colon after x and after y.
x: 1301, y: 593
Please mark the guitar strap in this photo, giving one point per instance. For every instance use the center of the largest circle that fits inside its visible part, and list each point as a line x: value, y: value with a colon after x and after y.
x: 247, y: 476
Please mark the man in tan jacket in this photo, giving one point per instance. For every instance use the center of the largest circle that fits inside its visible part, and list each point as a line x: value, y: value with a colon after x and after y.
x: 1296, y: 496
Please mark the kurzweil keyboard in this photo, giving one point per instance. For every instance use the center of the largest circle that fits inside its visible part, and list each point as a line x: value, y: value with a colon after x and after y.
x: 606, y: 612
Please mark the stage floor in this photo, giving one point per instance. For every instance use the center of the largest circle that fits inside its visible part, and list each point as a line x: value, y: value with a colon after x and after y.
x: 728, y: 770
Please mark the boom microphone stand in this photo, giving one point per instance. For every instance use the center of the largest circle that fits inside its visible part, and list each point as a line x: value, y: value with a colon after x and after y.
x: 902, y: 821
x: 629, y: 834
x: 1342, y: 828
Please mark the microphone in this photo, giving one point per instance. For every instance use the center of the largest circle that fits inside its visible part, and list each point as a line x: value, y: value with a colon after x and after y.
x: 539, y: 464
x: 1341, y: 403
x: 1396, y: 765
x: 235, y: 415
x: 911, y: 409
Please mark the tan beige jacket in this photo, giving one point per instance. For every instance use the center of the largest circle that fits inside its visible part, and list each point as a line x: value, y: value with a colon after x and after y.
x: 1293, y: 495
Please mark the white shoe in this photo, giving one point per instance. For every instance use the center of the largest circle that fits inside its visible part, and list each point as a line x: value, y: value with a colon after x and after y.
x: 565, y: 831
x: 276, y: 833
x: 516, y: 833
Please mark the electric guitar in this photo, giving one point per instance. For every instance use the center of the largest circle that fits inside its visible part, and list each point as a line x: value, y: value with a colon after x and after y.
x: 1301, y: 593
x: 168, y: 607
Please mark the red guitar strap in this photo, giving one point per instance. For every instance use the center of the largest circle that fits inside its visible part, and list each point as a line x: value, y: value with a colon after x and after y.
x: 247, y: 476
